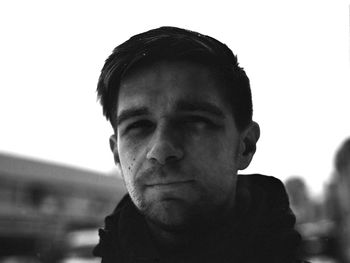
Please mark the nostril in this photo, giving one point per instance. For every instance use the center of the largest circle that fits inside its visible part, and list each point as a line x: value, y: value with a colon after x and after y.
x: 164, y: 152
x: 173, y: 158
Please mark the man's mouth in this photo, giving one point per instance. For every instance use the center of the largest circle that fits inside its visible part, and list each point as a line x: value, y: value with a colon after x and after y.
x: 169, y: 183
x: 162, y: 177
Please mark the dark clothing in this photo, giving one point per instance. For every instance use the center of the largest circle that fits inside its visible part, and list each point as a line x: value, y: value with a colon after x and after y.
x: 262, y: 231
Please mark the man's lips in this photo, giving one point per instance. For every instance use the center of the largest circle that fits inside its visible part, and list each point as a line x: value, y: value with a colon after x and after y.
x: 163, y: 176
x: 169, y: 183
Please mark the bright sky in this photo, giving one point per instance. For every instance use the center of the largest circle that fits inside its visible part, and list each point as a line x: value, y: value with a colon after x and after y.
x: 296, y: 54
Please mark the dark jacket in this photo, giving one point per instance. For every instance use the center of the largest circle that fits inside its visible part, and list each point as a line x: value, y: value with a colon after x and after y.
x: 263, y: 231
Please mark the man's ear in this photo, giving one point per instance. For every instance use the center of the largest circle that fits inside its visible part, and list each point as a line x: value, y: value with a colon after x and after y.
x: 247, y: 148
x: 114, y: 148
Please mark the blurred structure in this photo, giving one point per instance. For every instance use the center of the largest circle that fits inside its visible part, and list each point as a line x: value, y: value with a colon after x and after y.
x: 338, y: 203
x: 42, y: 203
x: 303, y: 207
x: 325, y: 223
x: 310, y: 219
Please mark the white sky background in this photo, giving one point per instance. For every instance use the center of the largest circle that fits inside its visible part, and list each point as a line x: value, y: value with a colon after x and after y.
x: 296, y: 54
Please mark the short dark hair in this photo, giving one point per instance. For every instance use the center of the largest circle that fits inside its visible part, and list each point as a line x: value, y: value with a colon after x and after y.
x: 172, y: 43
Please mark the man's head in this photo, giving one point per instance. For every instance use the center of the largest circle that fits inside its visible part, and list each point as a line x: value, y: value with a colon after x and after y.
x: 177, y: 44
x: 181, y: 110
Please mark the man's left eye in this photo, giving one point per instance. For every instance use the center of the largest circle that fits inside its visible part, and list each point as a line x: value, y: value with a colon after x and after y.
x: 198, y: 122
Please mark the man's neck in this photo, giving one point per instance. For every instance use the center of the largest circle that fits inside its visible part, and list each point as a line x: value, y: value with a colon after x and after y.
x: 168, y: 240
x: 194, y: 234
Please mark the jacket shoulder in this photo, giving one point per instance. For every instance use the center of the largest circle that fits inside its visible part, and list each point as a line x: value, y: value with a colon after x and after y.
x: 261, y: 179
x: 271, y: 186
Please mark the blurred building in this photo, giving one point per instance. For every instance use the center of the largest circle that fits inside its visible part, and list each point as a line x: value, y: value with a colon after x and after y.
x: 310, y: 220
x: 302, y: 205
x: 324, y: 223
x: 41, y: 202
x: 338, y: 203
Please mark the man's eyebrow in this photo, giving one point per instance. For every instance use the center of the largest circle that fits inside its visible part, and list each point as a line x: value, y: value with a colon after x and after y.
x: 201, y: 106
x: 130, y: 113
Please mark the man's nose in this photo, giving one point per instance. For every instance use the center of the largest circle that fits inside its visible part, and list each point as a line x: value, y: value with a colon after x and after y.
x: 165, y: 147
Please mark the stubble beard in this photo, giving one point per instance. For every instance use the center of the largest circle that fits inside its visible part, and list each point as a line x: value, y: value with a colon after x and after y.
x: 196, y: 218
x: 198, y: 214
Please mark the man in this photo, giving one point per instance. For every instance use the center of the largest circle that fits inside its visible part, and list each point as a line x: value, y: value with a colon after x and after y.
x: 181, y: 111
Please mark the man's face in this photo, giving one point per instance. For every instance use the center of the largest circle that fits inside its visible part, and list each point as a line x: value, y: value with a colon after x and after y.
x: 177, y: 143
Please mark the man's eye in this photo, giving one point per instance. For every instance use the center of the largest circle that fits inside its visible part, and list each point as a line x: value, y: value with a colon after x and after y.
x: 141, y: 125
x: 198, y: 122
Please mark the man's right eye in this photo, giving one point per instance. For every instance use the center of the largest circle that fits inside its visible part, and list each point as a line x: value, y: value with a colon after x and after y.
x: 138, y: 126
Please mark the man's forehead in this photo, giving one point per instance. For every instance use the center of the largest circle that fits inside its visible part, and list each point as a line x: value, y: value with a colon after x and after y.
x: 171, y: 87
x: 175, y: 104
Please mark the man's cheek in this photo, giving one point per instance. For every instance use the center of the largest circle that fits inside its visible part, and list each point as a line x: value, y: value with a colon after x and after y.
x: 127, y: 160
